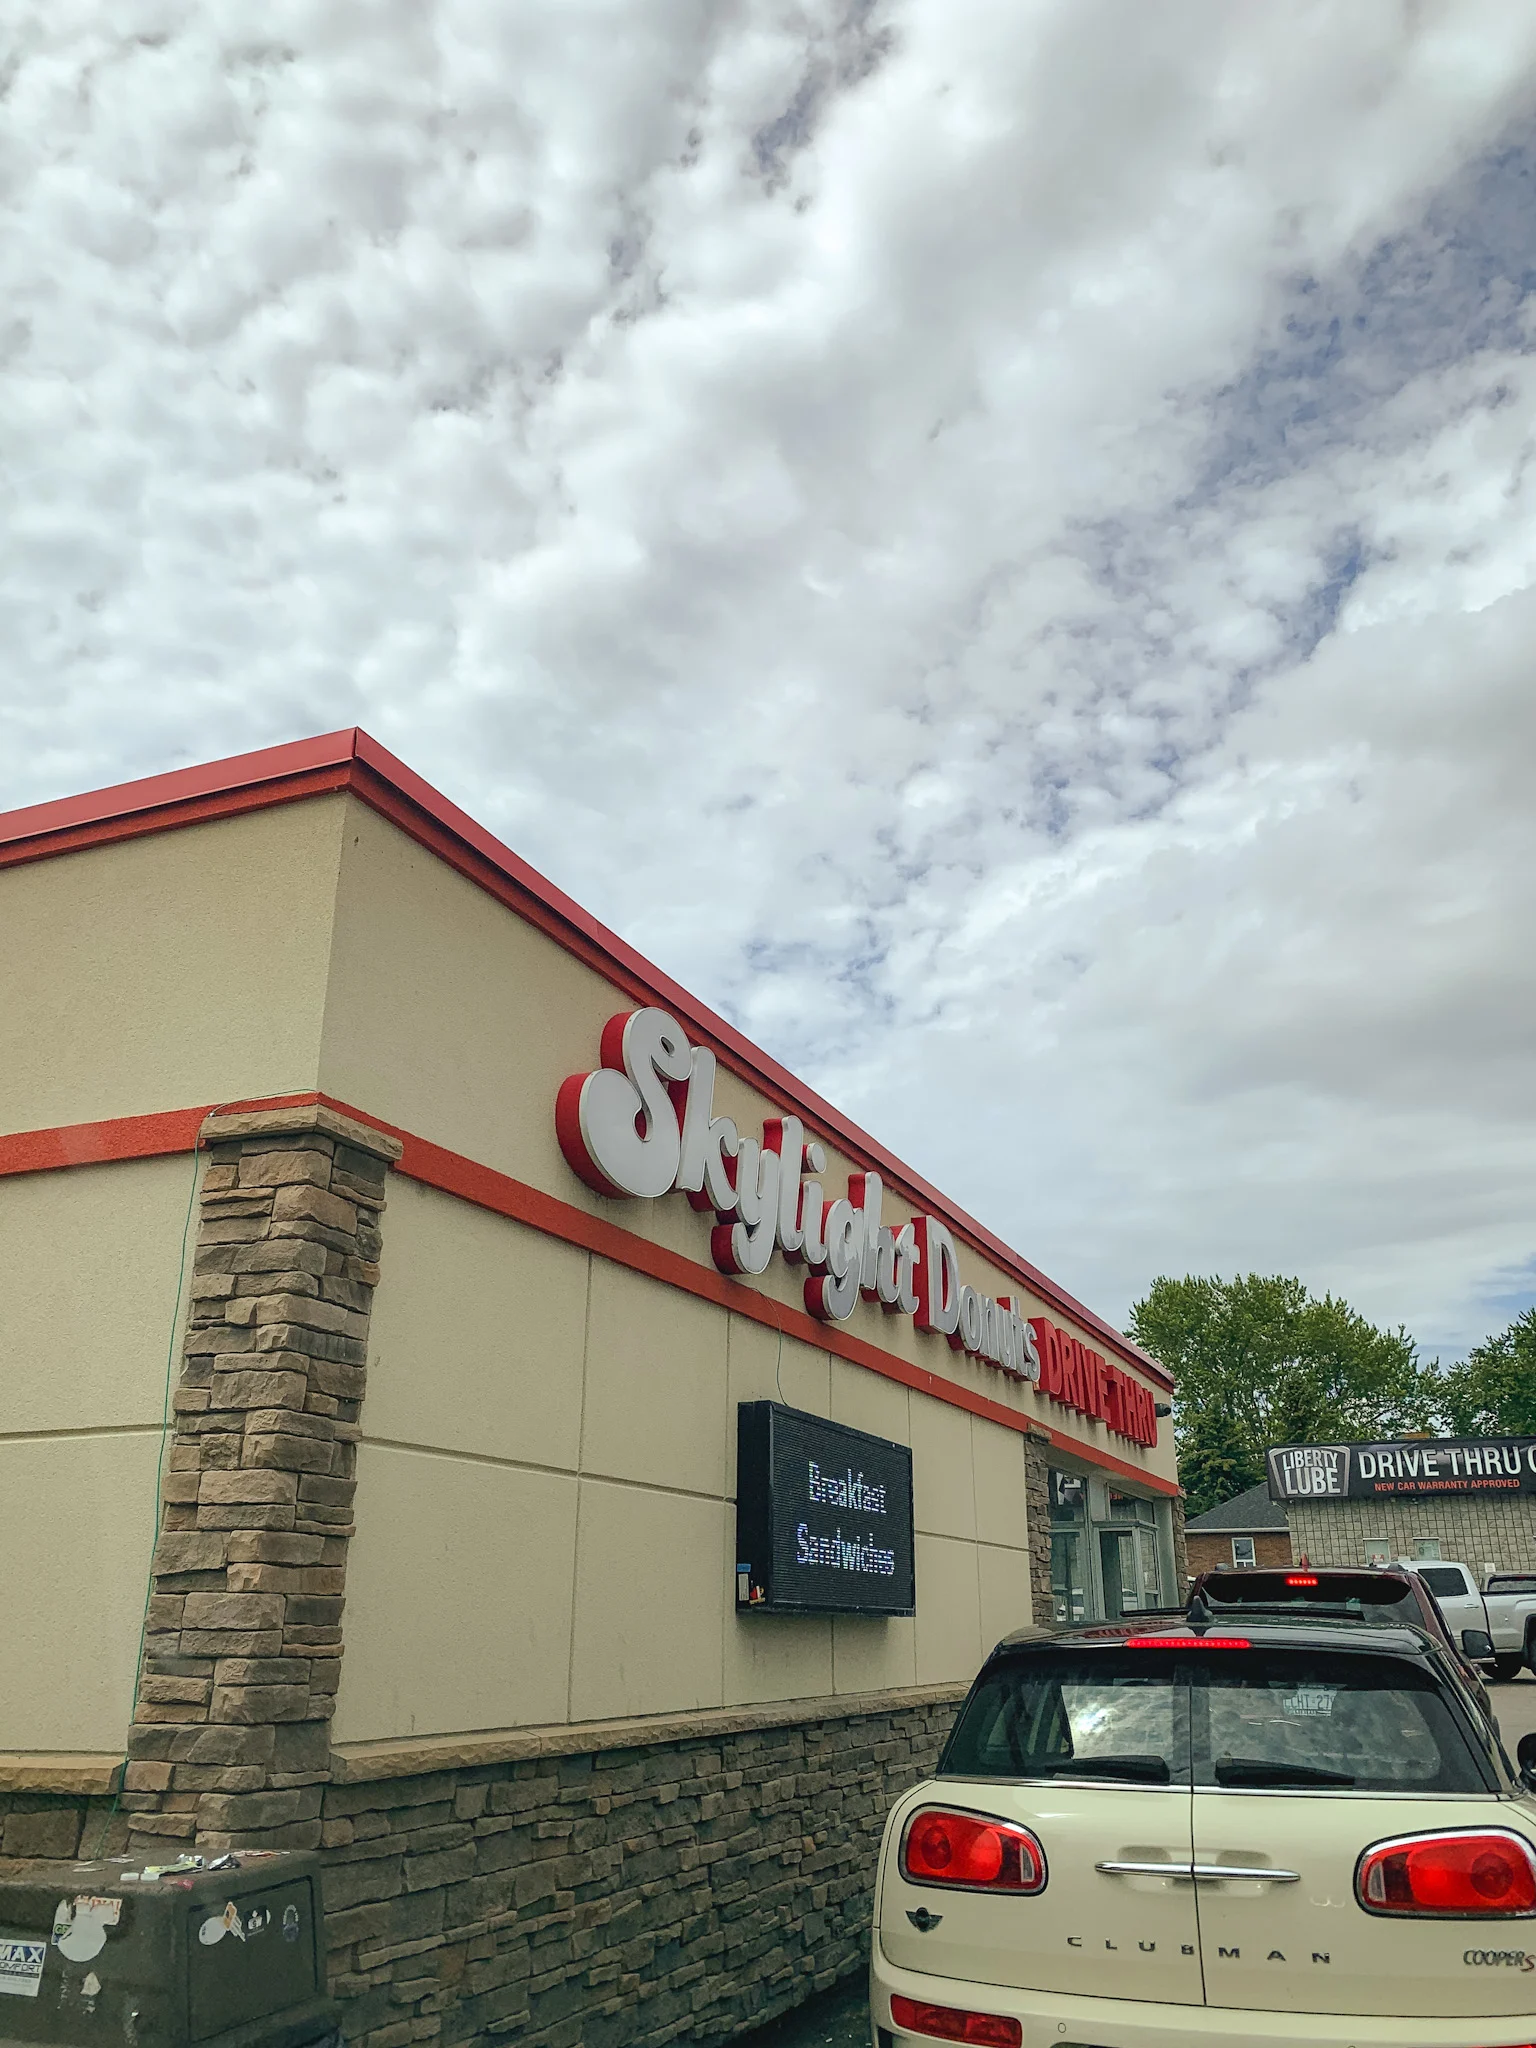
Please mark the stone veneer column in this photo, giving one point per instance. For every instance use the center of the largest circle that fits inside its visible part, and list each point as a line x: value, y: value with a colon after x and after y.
x: 230, y: 1745
x: 1180, y: 1552
x: 1037, y: 1525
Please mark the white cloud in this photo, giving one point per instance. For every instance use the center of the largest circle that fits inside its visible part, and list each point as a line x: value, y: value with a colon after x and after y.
x: 988, y: 537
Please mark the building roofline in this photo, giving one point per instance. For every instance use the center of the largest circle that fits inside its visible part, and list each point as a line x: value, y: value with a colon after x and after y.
x: 352, y: 761
x: 1269, y: 1517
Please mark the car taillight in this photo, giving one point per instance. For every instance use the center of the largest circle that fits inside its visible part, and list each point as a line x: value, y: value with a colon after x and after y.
x: 1299, y: 1579
x: 1478, y: 1875
x: 941, y: 1846
x: 1187, y: 1643
x: 950, y: 2023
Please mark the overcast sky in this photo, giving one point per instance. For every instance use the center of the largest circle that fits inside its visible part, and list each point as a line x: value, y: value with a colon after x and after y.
x: 993, y: 538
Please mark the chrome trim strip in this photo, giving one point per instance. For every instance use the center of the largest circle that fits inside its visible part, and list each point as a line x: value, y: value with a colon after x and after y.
x: 1219, y: 1873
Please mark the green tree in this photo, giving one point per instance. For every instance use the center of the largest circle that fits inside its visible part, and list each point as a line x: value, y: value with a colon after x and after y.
x: 1260, y: 1361
x: 1493, y: 1391
x: 1215, y: 1462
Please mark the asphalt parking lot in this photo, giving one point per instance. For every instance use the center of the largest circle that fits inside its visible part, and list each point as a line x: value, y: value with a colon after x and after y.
x: 840, y: 2018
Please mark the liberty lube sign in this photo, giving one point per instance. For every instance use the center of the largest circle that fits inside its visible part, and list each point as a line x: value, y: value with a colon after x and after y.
x: 823, y: 1516
x: 1407, y: 1468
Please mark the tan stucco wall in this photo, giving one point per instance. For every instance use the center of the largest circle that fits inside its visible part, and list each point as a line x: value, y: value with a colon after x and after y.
x: 76, y: 1531
x: 550, y: 1437
x: 485, y: 1016
x: 164, y: 972
x: 88, y: 1290
x: 546, y: 1497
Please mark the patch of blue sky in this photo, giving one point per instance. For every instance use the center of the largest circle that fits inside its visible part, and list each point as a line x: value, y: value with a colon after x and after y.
x: 1454, y: 283
x: 1513, y: 1298
x: 1509, y: 1294
x: 1315, y: 614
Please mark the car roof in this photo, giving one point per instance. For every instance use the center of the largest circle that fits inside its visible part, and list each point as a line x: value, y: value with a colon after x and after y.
x: 1263, y: 1631
x: 1307, y: 1571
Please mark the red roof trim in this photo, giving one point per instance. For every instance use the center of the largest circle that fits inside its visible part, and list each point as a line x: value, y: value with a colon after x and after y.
x: 352, y: 760
x: 183, y: 797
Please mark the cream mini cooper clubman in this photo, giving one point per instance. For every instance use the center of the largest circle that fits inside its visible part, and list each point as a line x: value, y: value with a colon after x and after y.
x: 1302, y: 1833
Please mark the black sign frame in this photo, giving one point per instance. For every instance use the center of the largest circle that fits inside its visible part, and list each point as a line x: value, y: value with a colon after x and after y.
x: 777, y: 1516
x: 1411, y: 1468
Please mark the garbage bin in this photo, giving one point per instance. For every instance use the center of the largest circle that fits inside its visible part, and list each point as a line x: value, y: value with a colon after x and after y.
x: 227, y: 1953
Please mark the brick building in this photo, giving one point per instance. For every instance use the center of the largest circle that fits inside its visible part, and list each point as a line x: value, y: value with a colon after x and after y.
x: 1250, y: 1529
x: 326, y: 1143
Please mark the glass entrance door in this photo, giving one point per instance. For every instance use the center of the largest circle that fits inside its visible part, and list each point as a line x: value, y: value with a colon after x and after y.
x: 1117, y: 1565
x: 1069, y: 1598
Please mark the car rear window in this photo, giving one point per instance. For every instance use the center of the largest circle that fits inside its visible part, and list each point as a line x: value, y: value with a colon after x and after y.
x: 1511, y: 1582
x: 1347, y: 1596
x: 1441, y: 1580
x: 1289, y: 1718
x: 1251, y: 1719
x: 1116, y: 1714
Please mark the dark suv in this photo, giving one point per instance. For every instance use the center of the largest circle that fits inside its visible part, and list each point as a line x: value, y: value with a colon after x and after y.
x: 1382, y: 1599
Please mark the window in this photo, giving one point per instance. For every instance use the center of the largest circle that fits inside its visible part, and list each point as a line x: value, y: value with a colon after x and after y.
x: 1243, y: 1720
x: 1069, y: 1595
x: 1356, y: 1596
x: 1103, y: 1714
x: 1446, y: 1583
x: 1267, y: 1718
x: 1066, y: 1490
x: 1131, y: 1507
x: 1243, y: 1551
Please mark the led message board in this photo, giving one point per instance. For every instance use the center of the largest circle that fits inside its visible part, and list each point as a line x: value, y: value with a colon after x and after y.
x: 823, y: 1516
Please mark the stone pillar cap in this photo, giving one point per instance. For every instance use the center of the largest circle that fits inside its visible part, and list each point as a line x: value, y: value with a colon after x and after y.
x: 295, y: 1119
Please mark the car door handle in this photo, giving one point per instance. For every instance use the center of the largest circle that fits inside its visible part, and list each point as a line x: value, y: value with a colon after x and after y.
x: 1227, y: 1873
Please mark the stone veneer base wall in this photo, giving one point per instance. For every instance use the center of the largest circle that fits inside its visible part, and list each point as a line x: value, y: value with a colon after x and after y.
x: 682, y: 1888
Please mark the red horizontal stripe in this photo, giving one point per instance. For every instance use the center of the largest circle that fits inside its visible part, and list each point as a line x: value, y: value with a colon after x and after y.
x: 125, y: 1137
x: 176, y: 1130
x: 453, y: 1174
x: 352, y: 760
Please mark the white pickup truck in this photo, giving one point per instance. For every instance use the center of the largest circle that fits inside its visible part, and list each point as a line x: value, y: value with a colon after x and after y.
x: 1505, y: 1607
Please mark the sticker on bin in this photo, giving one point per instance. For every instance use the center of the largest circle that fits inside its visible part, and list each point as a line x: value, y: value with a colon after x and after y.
x: 21, y: 1967
x: 80, y: 1926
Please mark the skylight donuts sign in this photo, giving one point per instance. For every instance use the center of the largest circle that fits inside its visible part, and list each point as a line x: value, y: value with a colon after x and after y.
x: 643, y: 1124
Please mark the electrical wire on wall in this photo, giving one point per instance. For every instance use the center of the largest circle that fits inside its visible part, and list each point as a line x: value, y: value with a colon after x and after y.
x: 165, y: 1438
